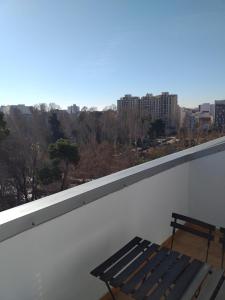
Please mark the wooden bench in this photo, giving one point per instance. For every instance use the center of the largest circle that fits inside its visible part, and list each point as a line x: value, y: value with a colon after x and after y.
x: 146, y: 271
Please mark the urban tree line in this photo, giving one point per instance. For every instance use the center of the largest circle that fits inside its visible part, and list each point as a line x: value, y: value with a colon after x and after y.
x: 50, y: 150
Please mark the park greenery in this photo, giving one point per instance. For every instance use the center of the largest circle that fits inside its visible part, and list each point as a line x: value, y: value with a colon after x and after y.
x: 50, y: 150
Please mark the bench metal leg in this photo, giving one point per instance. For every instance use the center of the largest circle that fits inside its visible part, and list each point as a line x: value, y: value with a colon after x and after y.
x: 110, y: 291
x: 222, y: 256
x: 207, y: 251
x: 173, y: 234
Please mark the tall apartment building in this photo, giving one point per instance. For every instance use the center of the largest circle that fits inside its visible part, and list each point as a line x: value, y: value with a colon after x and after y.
x: 162, y: 107
x: 220, y: 114
x: 128, y: 103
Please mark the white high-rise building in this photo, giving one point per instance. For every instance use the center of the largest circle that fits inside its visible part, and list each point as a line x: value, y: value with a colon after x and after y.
x: 162, y: 107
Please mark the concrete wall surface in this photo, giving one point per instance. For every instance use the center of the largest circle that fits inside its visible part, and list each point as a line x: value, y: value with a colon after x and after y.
x: 52, y: 261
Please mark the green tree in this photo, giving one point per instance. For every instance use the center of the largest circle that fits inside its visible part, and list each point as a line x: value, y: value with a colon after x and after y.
x: 49, y: 173
x: 4, y: 131
x: 55, y: 126
x: 157, y: 128
x: 67, y: 153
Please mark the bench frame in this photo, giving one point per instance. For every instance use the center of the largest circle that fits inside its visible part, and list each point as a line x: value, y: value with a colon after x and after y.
x: 203, y: 234
x: 222, y: 241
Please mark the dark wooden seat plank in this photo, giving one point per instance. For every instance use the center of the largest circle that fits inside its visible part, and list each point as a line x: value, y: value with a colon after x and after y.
x: 124, y: 261
x: 119, y: 280
x: 169, y: 278
x: 196, y: 282
x: 155, y: 276
x: 184, y: 280
x: 143, y: 271
x: 119, y: 254
x: 210, y: 285
x: 141, y: 274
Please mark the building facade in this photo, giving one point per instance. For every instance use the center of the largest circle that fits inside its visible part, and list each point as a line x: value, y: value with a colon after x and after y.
x: 205, y: 120
x: 220, y: 114
x: 128, y: 103
x: 23, y: 109
x: 204, y: 107
x: 164, y: 107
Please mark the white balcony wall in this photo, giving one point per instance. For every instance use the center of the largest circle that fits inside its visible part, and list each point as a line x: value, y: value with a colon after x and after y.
x: 207, y: 188
x: 52, y: 261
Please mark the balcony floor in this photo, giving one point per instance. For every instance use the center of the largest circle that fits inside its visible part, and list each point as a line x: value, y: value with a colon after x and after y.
x: 191, y: 245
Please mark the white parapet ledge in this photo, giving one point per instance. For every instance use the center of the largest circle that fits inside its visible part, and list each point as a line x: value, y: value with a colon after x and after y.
x: 16, y: 220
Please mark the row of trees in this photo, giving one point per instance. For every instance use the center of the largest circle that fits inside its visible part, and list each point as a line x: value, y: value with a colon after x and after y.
x: 50, y: 150
x: 33, y: 157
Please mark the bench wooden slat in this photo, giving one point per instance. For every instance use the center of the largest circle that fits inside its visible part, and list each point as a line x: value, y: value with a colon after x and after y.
x: 194, y: 221
x: 196, y: 282
x: 119, y: 280
x: 142, y: 270
x: 193, y: 231
x: 141, y: 274
x: 124, y: 261
x: 155, y: 276
x: 169, y: 278
x: 111, y: 260
x: 184, y: 280
x: 210, y: 285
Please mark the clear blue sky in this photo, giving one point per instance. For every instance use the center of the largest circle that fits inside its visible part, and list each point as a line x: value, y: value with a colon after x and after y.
x: 91, y: 52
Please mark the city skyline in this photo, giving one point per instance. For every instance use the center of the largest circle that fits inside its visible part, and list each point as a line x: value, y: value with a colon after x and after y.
x: 143, y: 95
x: 93, y: 53
x: 65, y: 107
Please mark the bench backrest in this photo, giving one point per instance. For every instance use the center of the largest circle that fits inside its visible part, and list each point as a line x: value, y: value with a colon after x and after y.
x: 204, y: 234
